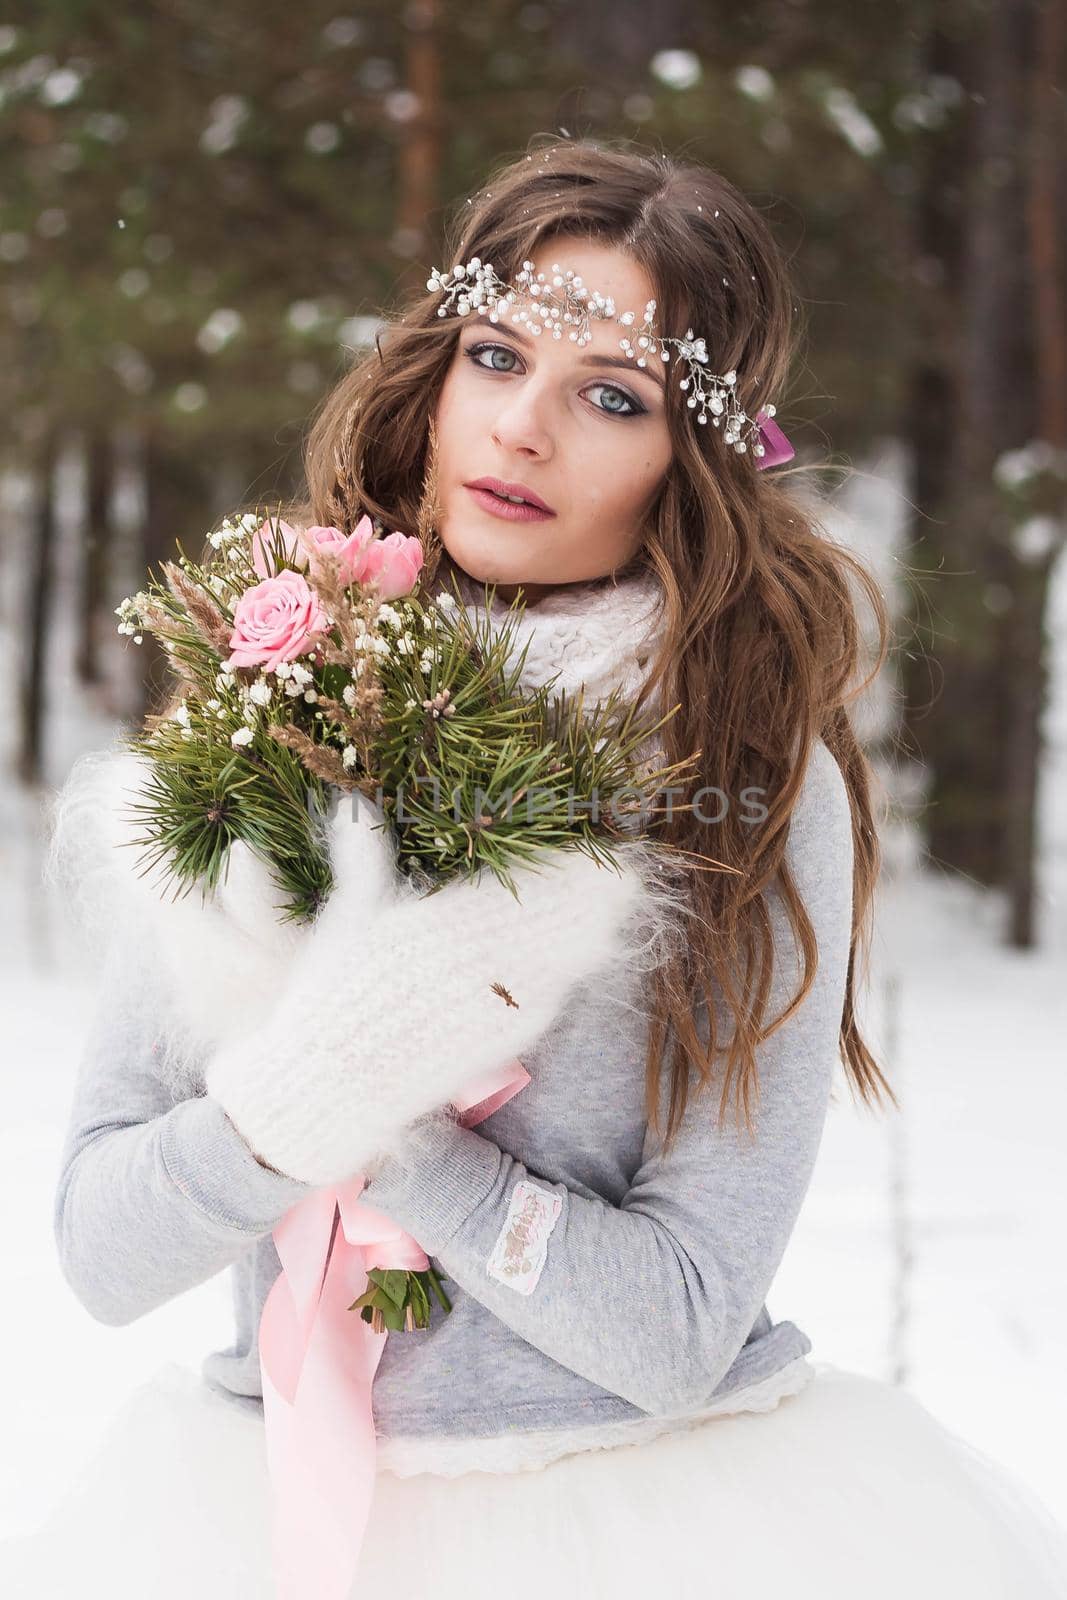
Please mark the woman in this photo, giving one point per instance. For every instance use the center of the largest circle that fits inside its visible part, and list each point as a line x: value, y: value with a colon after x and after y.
x: 608, y: 1403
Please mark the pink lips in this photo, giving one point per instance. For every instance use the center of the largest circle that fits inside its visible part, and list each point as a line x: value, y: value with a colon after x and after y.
x: 488, y: 492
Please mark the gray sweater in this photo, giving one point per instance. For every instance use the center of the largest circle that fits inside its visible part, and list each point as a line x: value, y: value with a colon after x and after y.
x: 618, y: 1284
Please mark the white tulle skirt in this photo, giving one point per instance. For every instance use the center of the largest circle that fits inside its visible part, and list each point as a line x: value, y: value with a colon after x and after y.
x: 849, y: 1488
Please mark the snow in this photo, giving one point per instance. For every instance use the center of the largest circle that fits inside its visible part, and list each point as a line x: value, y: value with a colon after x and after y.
x: 927, y: 1252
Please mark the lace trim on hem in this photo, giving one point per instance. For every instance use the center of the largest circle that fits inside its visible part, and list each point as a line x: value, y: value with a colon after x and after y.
x: 527, y: 1452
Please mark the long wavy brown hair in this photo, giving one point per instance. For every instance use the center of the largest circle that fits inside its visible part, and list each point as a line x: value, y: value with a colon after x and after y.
x: 763, y: 645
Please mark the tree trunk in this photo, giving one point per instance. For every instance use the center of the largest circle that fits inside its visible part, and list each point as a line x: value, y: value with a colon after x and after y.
x: 420, y: 149
x: 37, y: 611
x: 94, y: 563
x: 1028, y: 672
x: 1029, y: 679
x: 971, y: 702
x: 179, y: 502
x: 930, y: 422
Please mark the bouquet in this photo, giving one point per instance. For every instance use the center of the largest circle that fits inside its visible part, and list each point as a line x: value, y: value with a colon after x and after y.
x: 311, y: 663
x: 309, y: 667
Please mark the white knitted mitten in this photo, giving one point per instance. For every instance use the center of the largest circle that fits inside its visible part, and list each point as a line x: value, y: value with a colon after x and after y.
x: 389, y: 1012
x: 228, y: 951
x: 221, y: 953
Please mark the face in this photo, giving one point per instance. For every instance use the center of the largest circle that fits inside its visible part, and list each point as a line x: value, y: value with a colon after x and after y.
x: 583, y: 430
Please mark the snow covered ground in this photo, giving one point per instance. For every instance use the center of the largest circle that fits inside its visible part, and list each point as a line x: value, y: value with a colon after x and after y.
x: 929, y: 1251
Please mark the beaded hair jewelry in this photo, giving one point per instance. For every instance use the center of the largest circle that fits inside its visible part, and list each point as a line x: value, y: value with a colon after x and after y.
x: 563, y: 302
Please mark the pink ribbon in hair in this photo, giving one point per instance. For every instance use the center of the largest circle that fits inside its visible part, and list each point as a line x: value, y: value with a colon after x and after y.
x: 318, y: 1360
x: 775, y: 444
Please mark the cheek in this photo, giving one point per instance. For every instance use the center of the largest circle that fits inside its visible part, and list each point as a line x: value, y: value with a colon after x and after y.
x: 443, y: 422
x: 455, y: 396
x: 463, y: 412
x: 625, y: 479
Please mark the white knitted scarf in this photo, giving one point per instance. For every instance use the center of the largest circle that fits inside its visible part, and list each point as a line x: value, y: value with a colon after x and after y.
x: 599, y: 633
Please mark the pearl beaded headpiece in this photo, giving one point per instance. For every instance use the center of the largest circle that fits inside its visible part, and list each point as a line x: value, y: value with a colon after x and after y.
x: 560, y: 301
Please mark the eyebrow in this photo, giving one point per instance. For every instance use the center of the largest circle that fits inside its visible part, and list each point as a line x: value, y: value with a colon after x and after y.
x: 624, y: 363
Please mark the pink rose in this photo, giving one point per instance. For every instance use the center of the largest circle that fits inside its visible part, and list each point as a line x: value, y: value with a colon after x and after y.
x: 263, y: 541
x: 275, y: 621
x: 348, y: 548
x: 393, y: 563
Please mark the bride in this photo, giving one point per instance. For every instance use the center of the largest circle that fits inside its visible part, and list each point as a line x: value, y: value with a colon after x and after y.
x: 608, y: 1407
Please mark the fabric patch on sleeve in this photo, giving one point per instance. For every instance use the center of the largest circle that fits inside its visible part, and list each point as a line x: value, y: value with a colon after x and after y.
x: 521, y: 1247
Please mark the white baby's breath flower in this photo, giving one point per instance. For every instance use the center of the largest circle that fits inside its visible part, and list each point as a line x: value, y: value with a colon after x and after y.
x: 446, y: 601
x: 260, y: 693
x: 213, y: 704
x: 302, y: 675
x: 241, y: 737
x: 348, y: 695
x: 349, y: 755
x: 226, y: 533
x: 409, y: 705
x: 311, y: 695
x: 292, y: 689
x: 182, y: 715
x: 405, y: 645
x: 284, y: 669
x: 388, y: 613
x: 130, y: 612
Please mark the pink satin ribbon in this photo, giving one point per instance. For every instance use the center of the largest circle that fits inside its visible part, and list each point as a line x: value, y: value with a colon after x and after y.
x: 318, y: 1360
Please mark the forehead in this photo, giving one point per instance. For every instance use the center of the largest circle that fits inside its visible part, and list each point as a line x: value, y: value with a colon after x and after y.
x: 604, y: 268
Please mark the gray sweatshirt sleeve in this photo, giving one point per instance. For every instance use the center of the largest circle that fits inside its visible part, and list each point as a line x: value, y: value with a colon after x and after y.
x: 154, y: 1195
x: 652, y: 1299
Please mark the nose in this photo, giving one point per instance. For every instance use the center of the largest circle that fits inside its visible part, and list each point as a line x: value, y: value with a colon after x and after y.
x: 521, y: 424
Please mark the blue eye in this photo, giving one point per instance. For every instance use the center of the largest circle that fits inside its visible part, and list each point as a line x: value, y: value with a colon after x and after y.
x: 621, y: 394
x: 474, y: 351
x: 494, y: 349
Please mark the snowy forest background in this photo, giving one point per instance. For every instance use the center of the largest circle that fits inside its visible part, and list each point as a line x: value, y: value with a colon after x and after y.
x: 204, y: 210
